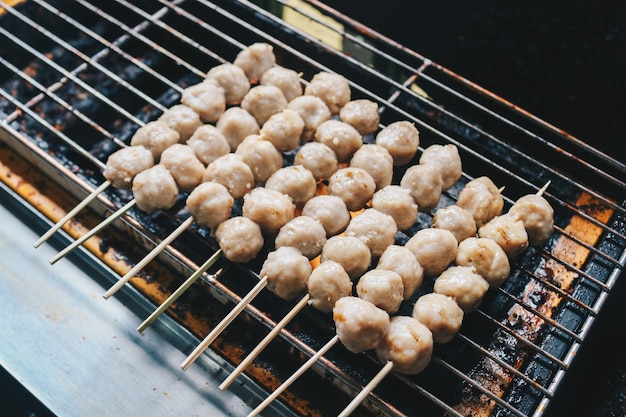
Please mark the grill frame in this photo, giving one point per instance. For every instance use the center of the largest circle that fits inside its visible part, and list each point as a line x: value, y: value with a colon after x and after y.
x: 568, y: 147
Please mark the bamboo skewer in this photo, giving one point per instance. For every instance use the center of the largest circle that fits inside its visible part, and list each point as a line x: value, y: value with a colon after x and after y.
x: 367, y: 389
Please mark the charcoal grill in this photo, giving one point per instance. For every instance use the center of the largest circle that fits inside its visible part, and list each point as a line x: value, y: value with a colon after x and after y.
x: 77, y: 78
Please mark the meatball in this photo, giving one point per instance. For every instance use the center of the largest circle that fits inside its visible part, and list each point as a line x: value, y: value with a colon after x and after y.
x: 377, y: 161
x: 255, y: 59
x: 262, y: 101
x: 447, y: 160
x: 482, y: 198
x: 295, y: 181
x: 262, y: 157
x: 397, y: 202
x: 441, y: 314
x: 303, y: 233
x: 332, y: 88
x: 182, y: 119
x: 507, y: 232
x: 408, y: 344
x: 537, y: 215
x: 489, y: 259
x: 340, y: 137
x: 287, y: 272
x: 317, y: 158
x: 125, y: 163
x: 283, y: 129
x: 184, y: 165
x: 236, y: 124
x: 401, y: 139
x: 350, y: 252
x: 362, y: 114
x: 209, y: 143
x: 464, y: 285
x: 205, y: 98
x: 156, y: 136
x: 288, y: 80
x: 402, y: 261
x: 359, y: 324
x: 434, y: 249
x: 328, y: 283
x: 210, y: 204
x: 233, y: 81
x: 155, y: 189
x: 270, y: 209
x: 457, y: 220
x: 330, y: 211
x: 375, y: 228
x: 231, y: 171
x: 354, y: 186
x: 239, y: 238
x: 313, y: 111
x: 424, y: 184
x: 383, y: 288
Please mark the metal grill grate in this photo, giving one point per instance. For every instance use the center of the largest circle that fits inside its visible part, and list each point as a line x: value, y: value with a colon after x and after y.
x: 78, y: 78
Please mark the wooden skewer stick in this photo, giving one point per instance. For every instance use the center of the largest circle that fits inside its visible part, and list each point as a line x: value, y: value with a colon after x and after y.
x: 268, y: 338
x: 72, y: 213
x: 223, y: 324
x: 93, y: 231
x: 544, y: 188
x: 179, y: 291
x: 367, y: 389
x: 295, y: 376
x: 141, y: 264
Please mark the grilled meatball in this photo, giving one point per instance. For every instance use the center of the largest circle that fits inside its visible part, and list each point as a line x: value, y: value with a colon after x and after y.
x: 359, y: 324
x: 350, y: 252
x: 232, y: 79
x: 125, y: 163
x: 156, y: 136
x: 231, y: 171
x: 262, y: 101
x: 424, y: 184
x: 155, y: 189
x: 287, y: 272
x: 375, y: 228
x: 184, y: 165
x: 507, y: 232
x: 489, y: 259
x: 210, y: 204
x: 239, y: 238
x: 255, y: 59
x: 288, y: 80
x: 434, y: 249
x: 206, y: 98
x: 330, y: 211
x: 182, y: 119
x: 482, y: 198
x: 313, y: 111
x: 377, y: 161
x: 464, y: 285
x: 236, y: 124
x: 402, y: 261
x: 209, y: 143
x: 262, y: 157
x: 270, y: 209
x: 283, y: 129
x: 383, y: 288
x: 537, y: 215
x: 332, y: 88
x: 447, y: 160
x: 303, y: 233
x: 328, y: 283
x: 401, y: 139
x: 295, y: 181
x: 408, y: 344
x: 317, y: 158
x: 397, y: 202
x: 441, y: 314
x: 457, y: 220
x: 340, y: 137
x: 362, y: 114
x: 354, y: 186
